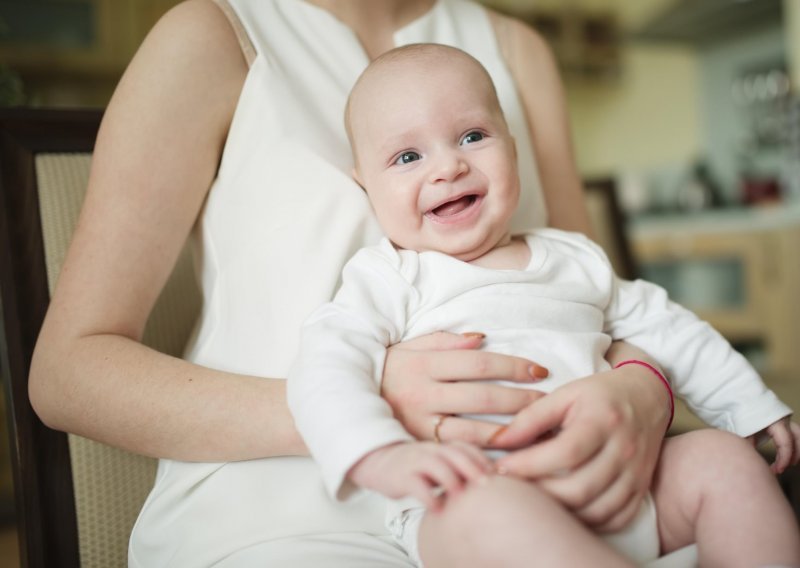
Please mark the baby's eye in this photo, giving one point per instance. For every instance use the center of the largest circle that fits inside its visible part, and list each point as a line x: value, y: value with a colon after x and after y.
x: 407, y: 158
x: 473, y: 136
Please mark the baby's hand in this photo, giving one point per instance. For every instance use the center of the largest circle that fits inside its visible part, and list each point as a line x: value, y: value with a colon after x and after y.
x: 786, y: 436
x: 424, y: 470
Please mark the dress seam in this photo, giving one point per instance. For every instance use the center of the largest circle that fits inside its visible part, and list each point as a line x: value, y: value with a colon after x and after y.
x: 245, y: 43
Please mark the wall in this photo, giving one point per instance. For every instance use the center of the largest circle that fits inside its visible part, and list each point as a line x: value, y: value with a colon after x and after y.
x: 76, y: 60
x: 728, y: 126
x: 647, y: 118
x: 791, y: 13
x: 672, y: 103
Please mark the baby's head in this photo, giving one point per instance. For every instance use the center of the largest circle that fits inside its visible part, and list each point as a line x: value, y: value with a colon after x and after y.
x: 433, y: 150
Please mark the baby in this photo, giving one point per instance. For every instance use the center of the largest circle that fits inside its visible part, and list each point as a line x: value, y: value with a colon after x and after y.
x: 435, y: 156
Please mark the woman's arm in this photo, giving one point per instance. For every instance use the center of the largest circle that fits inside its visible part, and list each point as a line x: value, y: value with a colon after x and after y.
x: 156, y: 155
x: 542, y: 95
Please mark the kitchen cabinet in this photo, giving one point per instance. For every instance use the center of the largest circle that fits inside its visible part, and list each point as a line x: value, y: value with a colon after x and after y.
x: 739, y: 270
x: 72, y: 52
x: 87, y: 36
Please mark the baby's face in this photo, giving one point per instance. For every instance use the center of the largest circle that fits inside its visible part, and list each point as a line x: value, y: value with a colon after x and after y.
x: 435, y: 156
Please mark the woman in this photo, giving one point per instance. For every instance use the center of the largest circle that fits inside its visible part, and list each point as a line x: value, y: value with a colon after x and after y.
x: 229, y: 120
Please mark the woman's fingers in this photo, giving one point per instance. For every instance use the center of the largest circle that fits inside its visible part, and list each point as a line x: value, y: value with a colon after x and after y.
x: 443, y: 340
x: 483, y: 365
x: 473, y: 431
x: 600, y: 452
x: 452, y: 399
x: 579, y: 487
x: 601, y: 492
x: 482, y: 398
x: 477, y: 365
x: 531, y: 423
x: 559, y: 455
x: 435, y: 375
x: 616, y: 519
x: 613, y: 507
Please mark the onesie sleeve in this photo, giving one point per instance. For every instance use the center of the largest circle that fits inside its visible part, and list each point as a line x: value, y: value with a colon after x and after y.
x: 715, y: 381
x: 334, y: 384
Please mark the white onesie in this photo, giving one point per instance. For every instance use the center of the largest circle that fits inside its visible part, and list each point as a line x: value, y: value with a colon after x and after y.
x: 562, y: 311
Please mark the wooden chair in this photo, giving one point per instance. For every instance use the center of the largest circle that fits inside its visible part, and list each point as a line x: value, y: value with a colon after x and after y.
x: 608, y: 222
x: 76, y: 500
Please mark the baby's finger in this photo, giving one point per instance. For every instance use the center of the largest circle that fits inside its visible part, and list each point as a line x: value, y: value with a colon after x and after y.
x: 784, y: 445
x: 440, y: 473
x: 425, y: 492
x: 794, y: 428
x: 468, y: 460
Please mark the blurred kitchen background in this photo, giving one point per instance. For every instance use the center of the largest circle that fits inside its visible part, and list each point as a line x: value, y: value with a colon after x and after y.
x: 691, y: 107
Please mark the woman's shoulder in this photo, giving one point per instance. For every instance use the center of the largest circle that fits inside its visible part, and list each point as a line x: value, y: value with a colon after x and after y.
x: 199, y: 28
x: 521, y: 45
x: 189, y: 68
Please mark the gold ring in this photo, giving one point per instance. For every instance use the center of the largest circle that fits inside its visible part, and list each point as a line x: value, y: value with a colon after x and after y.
x: 437, y: 423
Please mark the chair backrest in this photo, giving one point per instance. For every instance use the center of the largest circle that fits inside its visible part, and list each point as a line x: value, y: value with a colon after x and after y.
x: 76, y: 500
x: 608, y: 222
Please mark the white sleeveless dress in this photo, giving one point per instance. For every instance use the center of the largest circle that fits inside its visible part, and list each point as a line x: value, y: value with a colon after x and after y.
x: 281, y: 219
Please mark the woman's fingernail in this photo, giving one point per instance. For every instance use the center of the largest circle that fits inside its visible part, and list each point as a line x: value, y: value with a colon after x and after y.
x: 496, y: 435
x: 538, y: 372
x: 502, y: 470
x: 471, y: 334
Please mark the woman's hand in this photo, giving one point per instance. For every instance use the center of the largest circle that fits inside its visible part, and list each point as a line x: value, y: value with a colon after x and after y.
x: 598, y: 443
x: 437, y: 375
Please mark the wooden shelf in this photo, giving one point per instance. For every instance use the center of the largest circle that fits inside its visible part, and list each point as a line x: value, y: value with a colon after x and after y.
x: 81, y: 60
x: 763, y: 247
x: 586, y: 43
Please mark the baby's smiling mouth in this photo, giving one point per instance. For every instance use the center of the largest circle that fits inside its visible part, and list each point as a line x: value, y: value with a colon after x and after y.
x: 454, y: 207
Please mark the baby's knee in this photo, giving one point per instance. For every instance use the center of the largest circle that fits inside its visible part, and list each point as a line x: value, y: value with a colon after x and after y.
x: 717, y: 452
x: 491, y: 507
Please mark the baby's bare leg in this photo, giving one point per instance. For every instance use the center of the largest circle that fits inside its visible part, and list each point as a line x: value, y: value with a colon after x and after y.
x: 713, y: 488
x: 509, y: 522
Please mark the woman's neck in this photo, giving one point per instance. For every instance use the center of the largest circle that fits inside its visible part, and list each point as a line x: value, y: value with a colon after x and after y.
x: 375, y: 21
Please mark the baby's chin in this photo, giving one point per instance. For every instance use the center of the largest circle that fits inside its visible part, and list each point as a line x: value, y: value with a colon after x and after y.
x: 456, y: 250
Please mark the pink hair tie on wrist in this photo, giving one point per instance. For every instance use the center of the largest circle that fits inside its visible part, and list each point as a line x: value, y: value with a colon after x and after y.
x: 661, y: 377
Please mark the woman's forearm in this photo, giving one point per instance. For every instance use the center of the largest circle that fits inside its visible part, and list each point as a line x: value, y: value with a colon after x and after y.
x: 114, y: 390
x: 650, y: 392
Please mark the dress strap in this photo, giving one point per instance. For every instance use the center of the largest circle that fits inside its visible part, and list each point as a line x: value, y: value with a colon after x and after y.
x: 248, y: 50
x: 502, y: 32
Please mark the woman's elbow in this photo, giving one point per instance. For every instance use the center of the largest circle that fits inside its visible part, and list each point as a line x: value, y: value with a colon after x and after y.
x: 44, y: 390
